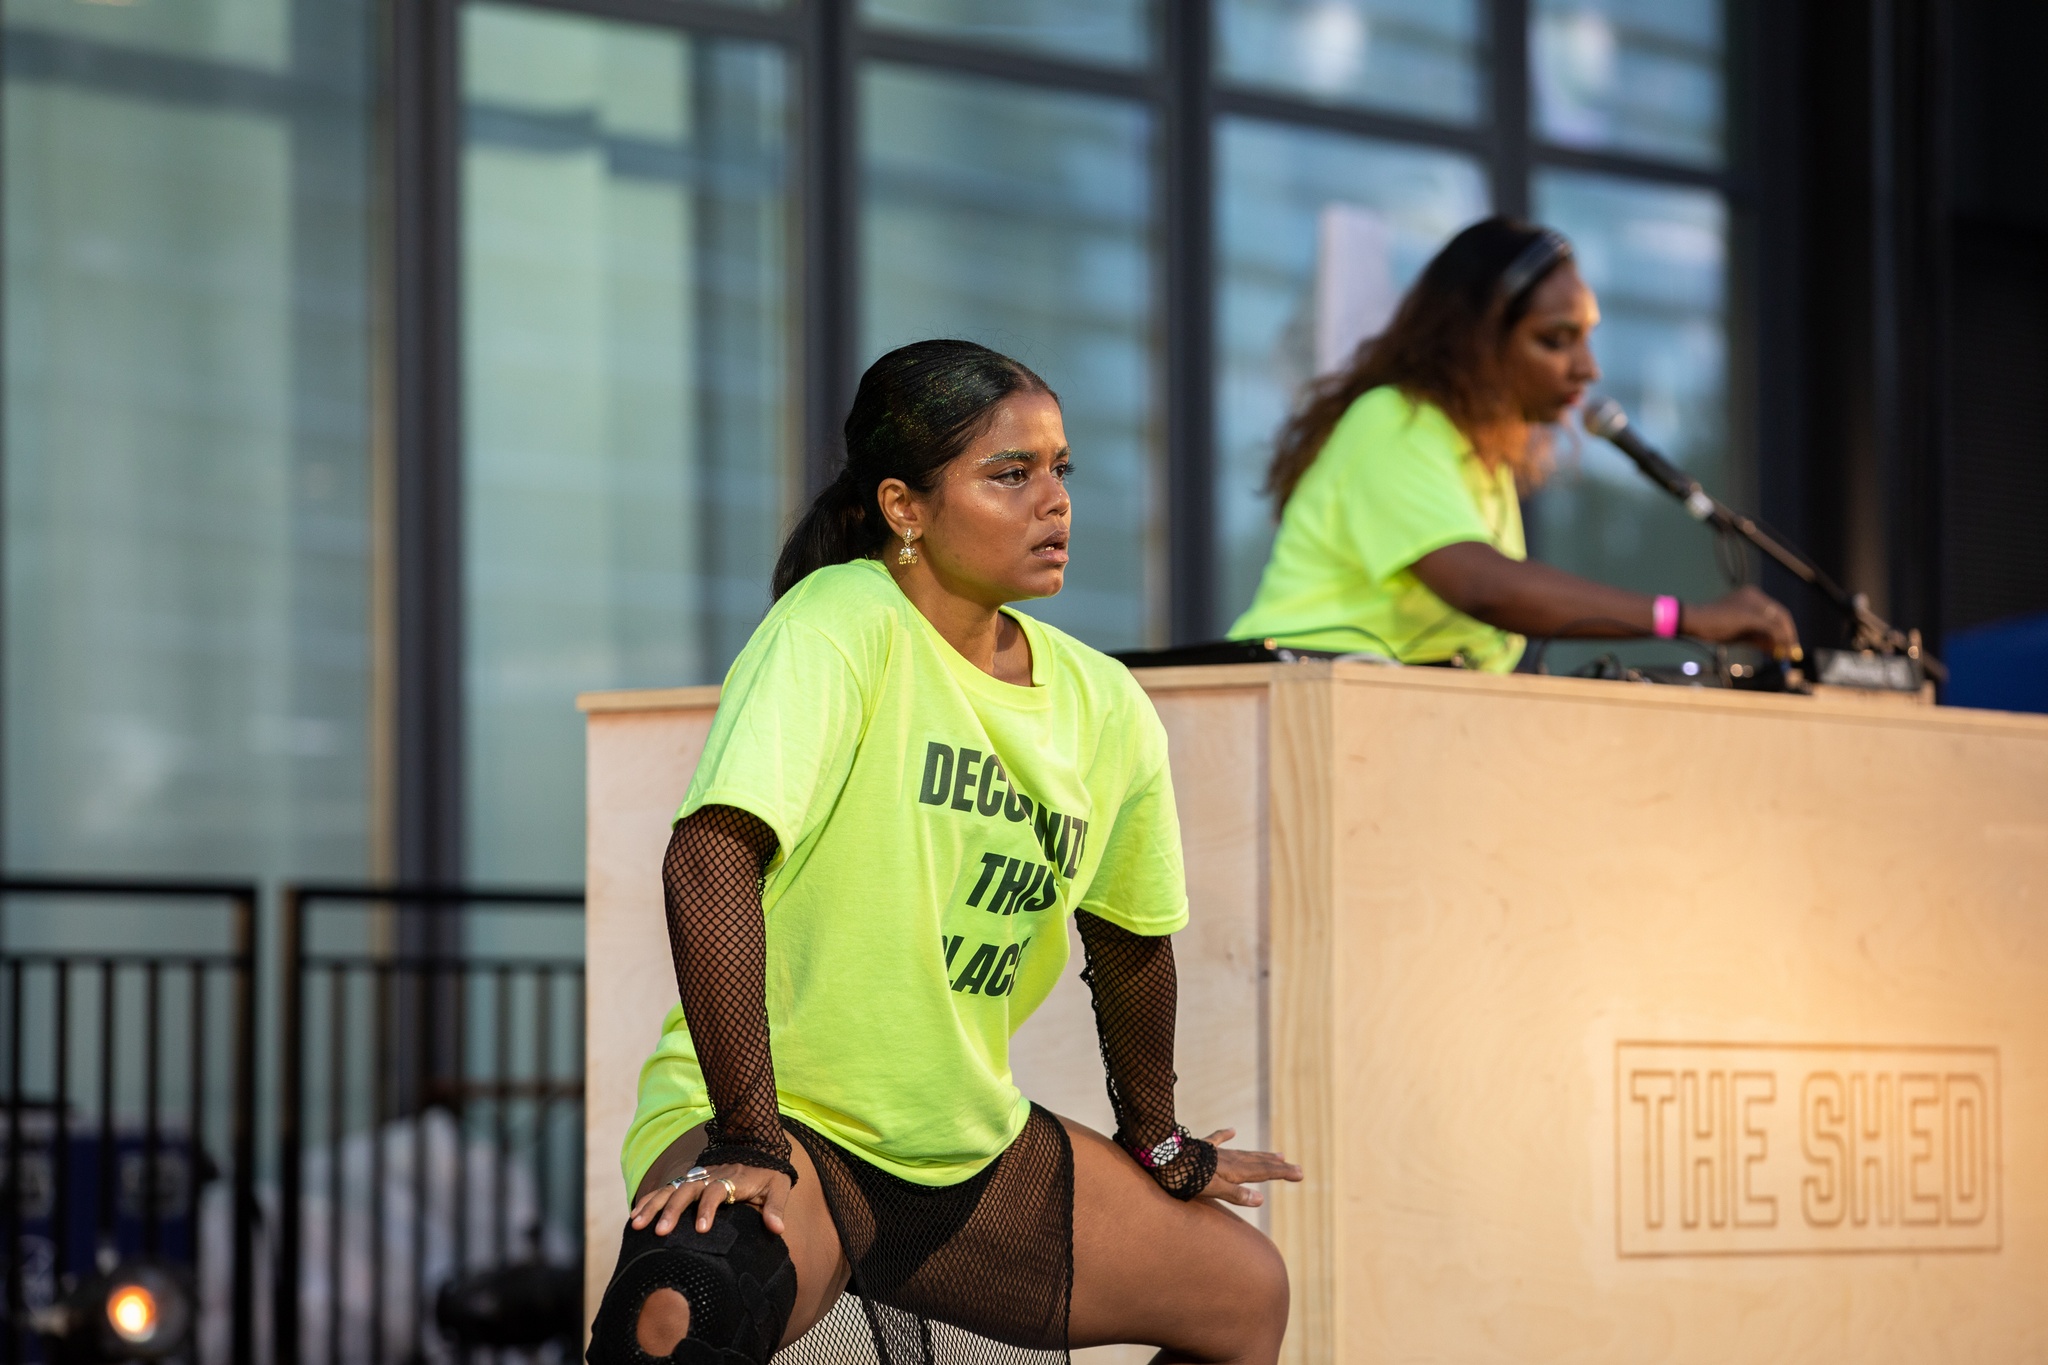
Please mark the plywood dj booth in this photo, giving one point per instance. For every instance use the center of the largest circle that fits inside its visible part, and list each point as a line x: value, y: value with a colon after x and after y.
x: 1610, y: 1022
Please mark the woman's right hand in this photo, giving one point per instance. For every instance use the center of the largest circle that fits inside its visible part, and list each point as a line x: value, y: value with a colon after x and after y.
x: 1238, y: 1169
x: 665, y: 1205
x: 1746, y: 616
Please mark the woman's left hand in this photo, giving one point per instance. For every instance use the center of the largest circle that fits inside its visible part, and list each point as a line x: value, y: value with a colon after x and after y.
x: 1237, y: 1171
x: 666, y: 1205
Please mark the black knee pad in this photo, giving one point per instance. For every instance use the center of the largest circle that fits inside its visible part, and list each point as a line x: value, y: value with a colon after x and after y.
x: 738, y: 1278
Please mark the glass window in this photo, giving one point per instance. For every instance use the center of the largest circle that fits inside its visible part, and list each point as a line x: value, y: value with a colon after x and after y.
x: 1657, y: 258
x: 1111, y: 32
x: 1635, y: 76
x: 254, y: 35
x: 188, y: 478
x: 1021, y: 219
x: 626, y: 242
x: 1318, y: 234
x: 1420, y: 57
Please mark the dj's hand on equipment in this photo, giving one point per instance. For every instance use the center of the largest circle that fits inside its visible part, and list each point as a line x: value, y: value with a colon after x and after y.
x: 1746, y: 616
x: 1238, y: 1170
x: 707, y: 1189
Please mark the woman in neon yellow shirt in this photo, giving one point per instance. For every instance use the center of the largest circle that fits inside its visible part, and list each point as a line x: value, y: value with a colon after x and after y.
x: 908, y: 791
x: 1399, y: 478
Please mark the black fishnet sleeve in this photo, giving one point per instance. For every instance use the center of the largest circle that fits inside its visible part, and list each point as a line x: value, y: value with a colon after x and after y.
x: 711, y: 881
x: 1136, y: 991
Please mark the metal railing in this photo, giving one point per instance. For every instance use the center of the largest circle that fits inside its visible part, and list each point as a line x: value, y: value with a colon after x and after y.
x: 430, y: 1113
x: 101, y: 1164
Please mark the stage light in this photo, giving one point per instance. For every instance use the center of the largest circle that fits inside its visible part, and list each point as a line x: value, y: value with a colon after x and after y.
x: 137, y: 1311
x: 132, y: 1310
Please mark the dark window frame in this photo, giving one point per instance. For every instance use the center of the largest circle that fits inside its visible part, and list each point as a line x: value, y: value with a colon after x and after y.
x: 417, y: 335
x: 828, y: 44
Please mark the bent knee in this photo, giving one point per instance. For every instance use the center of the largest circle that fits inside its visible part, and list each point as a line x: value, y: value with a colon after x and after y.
x: 730, y: 1290
x: 1265, y: 1281
x: 1248, y: 1300
x: 664, y: 1322
x: 1244, y: 1305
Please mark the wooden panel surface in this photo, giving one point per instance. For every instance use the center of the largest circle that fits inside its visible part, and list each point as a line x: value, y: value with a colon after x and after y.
x: 1305, y: 1001
x: 1219, y: 784
x: 639, y: 766
x: 1535, y: 883
x: 1490, y: 907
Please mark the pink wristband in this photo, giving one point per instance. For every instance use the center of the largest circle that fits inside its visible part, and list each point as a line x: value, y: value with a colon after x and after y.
x: 1664, y: 617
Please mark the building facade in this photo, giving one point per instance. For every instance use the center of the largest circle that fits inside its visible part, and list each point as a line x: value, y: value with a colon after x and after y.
x: 379, y: 374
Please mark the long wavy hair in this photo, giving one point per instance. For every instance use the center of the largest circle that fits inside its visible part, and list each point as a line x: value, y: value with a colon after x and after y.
x: 916, y: 409
x: 1443, y: 346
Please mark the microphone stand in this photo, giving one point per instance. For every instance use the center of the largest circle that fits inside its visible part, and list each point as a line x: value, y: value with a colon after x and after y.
x: 1606, y: 419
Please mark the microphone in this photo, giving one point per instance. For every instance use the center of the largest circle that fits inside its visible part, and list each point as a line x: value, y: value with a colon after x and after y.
x: 1606, y: 420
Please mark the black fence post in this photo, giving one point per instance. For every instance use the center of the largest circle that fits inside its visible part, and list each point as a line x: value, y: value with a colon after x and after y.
x: 242, y: 1328
x: 105, y: 1185
x: 387, y: 969
x: 152, y: 1047
x: 14, y: 1054
x: 60, y: 1123
x: 103, y: 1216
x: 291, y: 1104
x: 365, y: 1080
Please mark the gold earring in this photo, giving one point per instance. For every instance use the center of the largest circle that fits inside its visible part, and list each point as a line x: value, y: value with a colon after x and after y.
x: 908, y: 554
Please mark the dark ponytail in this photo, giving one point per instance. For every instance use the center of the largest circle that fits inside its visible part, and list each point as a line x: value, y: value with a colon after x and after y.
x: 917, y: 408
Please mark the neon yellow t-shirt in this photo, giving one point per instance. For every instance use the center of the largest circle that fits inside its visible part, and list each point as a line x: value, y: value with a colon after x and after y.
x: 937, y: 828
x: 1395, y: 480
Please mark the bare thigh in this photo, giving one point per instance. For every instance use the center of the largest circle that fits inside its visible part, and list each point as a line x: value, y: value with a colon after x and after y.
x: 821, y: 1266
x: 1192, y: 1278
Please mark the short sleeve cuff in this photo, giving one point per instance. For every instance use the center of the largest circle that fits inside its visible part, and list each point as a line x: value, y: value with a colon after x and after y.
x: 1147, y: 926
x: 756, y: 806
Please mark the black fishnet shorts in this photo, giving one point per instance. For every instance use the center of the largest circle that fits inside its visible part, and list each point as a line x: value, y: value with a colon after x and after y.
x: 978, y: 1273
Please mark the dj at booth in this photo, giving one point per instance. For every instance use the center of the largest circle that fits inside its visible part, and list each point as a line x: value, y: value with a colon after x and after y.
x: 1399, y: 479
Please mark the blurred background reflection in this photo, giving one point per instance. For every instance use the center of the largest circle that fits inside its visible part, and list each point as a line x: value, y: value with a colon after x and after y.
x: 1420, y: 57
x: 1657, y: 258
x: 1110, y: 32
x: 263, y: 617
x: 189, y: 431
x: 1022, y: 218
x: 1318, y: 235
x: 1637, y: 76
x: 625, y: 390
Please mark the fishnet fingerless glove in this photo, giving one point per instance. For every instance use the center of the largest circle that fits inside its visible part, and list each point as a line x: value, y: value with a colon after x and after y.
x: 1136, y: 992
x: 711, y: 881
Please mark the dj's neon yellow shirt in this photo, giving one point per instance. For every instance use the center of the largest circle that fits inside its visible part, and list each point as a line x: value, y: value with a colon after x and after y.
x: 937, y: 829
x: 1395, y: 480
